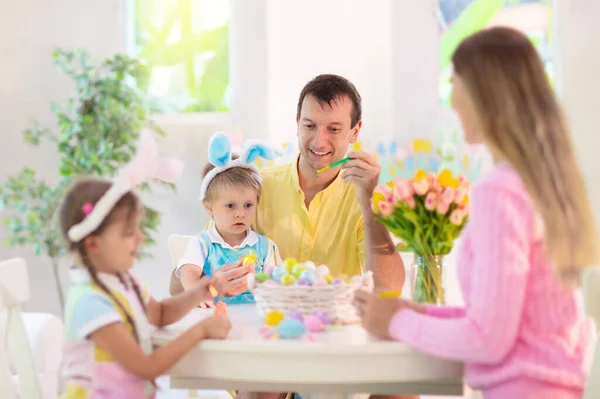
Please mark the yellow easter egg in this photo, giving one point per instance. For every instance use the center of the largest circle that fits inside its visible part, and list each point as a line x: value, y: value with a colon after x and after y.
x: 288, y: 279
x: 328, y: 278
x: 249, y: 260
x: 273, y: 318
x: 289, y: 263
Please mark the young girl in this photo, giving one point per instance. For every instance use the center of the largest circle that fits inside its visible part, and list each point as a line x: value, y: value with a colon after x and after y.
x: 108, y: 312
x: 230, y: 191
x: 523, y: 333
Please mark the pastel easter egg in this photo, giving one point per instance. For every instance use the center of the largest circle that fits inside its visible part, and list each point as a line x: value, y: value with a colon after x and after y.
x: 308, y: 275
x: 313, y: 324
x: 322, y: 271
x: 324, y: 317
x: 295, y: 315
x: 271, y: 282
x: 261, y: 277
x: 337, y: 281
x: 320, y: 282
x: 278, y: 273
x: 289, y: 263
x: 274, y: 318
x: 249, y: 260
x: 344, y: 278
x: 268, y: 270
x: 328, y: 278
x: 310, y: 265
x: 290, y: 329
x: 288, y: 279
x: 303, y: 283
x: 297, y: 270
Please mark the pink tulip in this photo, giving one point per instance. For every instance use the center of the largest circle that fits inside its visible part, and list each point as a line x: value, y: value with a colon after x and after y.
x: 410, y: 201
x: 402, y: 190
x: 459, y: 195
x: 456, y: 217
x: 431, y: 178
x: 421, y: 186
x: 442, y: 207
x: 385, y: 208
x: 461, y: 178
x: 448, y: 195
x: 385, y: 190
x: 437, y: 188
x: 431, y: 201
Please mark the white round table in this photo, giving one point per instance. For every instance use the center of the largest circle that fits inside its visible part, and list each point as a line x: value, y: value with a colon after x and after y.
x: 342, y: 360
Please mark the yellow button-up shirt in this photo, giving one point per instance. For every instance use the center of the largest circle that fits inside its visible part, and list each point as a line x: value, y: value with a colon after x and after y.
x: 329, y: 232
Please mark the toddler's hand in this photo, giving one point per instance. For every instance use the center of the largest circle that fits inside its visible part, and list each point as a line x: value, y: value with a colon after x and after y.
x: 205, y: 298
x: 216, y: 326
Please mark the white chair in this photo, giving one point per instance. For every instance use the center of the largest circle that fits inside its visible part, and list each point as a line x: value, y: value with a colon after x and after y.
x: 591, y: 292
x: 177, y: 244
x: 30, y: 362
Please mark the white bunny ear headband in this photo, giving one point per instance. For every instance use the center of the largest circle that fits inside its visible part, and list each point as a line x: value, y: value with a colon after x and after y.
x: 219, y: 155
x: 146, y: 164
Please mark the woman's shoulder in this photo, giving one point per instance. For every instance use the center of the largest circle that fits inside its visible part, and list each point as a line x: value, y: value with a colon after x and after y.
x: 501, y: 181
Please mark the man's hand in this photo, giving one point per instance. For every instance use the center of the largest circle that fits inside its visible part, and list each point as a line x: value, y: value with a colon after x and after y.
x: 231, y: 280
x: 363, y: 171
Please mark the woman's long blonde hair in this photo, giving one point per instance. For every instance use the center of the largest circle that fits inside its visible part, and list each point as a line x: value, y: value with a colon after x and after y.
x: 521, y: 122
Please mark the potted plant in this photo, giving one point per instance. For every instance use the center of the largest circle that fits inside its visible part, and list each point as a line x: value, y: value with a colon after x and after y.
x: 97, y: 129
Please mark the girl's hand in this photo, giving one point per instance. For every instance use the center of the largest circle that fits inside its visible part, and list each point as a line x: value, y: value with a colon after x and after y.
x: 207, y: 305
x: 376, y: 313
x: 215, y: 327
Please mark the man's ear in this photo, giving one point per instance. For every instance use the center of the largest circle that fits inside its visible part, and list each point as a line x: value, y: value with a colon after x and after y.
x: 208, y: 207
x: 355, y: 132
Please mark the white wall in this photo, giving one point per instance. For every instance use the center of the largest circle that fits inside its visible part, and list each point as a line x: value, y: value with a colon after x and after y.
x: 579, y: 57
x: 29, y: 31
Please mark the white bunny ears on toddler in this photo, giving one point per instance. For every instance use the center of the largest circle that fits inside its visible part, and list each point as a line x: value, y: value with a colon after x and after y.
x: 146, y: 165
x: 219, y: 155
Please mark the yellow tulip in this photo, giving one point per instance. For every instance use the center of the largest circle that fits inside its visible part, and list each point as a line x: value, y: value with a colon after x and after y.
x: 465, y: 200
x: 376, y: 199
x: 445, y: 179
x: 356, y: 146
x: 421, y: 174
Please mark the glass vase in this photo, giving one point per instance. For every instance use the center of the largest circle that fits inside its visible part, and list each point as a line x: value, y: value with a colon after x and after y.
x: 427, y: 279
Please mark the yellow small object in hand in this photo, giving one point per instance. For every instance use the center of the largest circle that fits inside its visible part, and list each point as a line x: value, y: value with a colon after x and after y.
x: 249, y: 260
x: 213, y: 291
x: 390, y: 294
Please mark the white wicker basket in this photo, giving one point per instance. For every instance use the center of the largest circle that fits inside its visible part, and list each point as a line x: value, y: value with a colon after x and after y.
x: 335, y: 300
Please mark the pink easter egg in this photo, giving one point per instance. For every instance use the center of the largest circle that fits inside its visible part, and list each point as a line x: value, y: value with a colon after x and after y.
x: 268, y: 270
x: 313, y: 324
x: 271, y: 282
x: 320, y: 282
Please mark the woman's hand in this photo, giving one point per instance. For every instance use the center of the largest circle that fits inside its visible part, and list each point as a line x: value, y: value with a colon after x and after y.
x: 376, y: 313
x: 231, y: 280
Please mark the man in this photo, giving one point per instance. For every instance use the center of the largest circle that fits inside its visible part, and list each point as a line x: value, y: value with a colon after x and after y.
x: 327, y: 217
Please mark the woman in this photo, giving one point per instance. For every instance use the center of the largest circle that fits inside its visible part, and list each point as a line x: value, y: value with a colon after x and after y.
x: 523, y: 332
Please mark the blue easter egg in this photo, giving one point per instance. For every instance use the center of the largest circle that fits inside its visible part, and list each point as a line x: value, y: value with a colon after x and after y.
x: 308, y: 275
x: 290, y: 329
x: 279, y: 272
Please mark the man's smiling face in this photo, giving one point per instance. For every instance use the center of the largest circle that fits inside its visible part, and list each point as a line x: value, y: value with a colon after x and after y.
x: 325, y: 131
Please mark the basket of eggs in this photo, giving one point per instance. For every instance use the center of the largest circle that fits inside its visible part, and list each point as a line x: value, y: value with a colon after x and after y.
x: 306, y: 289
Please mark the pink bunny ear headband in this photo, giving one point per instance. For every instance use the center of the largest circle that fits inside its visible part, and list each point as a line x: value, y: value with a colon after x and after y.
x: 146, y: 165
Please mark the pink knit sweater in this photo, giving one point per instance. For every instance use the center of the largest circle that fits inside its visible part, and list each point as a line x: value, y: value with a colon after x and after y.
x: 517, y: 320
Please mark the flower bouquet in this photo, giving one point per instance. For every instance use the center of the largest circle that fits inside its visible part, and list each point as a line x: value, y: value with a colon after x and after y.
x: 427, y: 213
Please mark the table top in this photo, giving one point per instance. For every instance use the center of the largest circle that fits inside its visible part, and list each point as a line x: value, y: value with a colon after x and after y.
x: 342, y: 355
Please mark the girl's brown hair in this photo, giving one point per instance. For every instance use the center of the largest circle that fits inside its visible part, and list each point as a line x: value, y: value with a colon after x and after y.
x: 71, y: 213
x: 521, y: 122
x: 233, y: 177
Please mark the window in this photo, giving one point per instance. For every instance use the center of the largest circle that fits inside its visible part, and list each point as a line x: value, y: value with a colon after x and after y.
x: 185, y: 45
x: 459, y: 18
